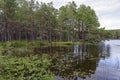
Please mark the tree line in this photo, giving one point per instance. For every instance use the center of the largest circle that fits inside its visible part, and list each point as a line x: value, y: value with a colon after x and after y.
x: 31, y: 20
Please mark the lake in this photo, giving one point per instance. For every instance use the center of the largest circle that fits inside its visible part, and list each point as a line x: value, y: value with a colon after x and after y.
x: 88, y: 62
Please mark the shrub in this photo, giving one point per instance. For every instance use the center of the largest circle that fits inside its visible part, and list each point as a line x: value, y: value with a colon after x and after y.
x: 20, y: 52
x: 68, y: 43
x: 18, y: 44
x: 25, y: 68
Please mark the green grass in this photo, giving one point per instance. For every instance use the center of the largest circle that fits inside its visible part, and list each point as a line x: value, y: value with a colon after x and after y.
x: 65, y: 43
x: 36, y: 43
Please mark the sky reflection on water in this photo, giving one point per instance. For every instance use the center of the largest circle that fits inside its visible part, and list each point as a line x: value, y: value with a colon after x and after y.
x: 109, y: 67
x: 92, y: 62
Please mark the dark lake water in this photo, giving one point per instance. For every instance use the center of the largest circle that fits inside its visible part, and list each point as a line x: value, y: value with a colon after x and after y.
x: 88, y: 62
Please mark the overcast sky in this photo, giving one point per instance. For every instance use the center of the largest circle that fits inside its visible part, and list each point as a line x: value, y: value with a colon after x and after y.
x: 108, y: 11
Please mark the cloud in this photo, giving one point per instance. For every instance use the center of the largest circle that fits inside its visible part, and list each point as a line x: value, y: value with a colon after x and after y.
x: 104, y: 6
x: 110, y: 22
x: 46, y: 1
x: 107, y: 10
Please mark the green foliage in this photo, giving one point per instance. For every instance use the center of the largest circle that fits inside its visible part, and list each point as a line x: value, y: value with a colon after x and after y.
x: 29, y: 20
x: 88, y: 16
x: 67, y: 21
x: 19, y: 48
x: 4, y: 44
x: 62, y: 43
x: 113, y: 34
x: 25, y: 68
x: 18, y: 44
x: 19, y: 52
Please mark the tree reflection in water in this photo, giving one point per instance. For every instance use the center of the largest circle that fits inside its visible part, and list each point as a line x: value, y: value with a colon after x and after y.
x: 82, y: 62
x: 104, y: 50
x: 77, y: 61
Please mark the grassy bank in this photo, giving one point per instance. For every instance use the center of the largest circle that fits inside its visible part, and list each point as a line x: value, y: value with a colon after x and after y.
x: 65, y: 43
x: 35, y: 43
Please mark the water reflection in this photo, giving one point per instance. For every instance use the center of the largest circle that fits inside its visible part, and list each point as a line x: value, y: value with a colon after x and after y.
x: 88, y: 62
x: 82, y: 62
x: 109, y: 67
x: 114, y: 52
x: 104, y: 50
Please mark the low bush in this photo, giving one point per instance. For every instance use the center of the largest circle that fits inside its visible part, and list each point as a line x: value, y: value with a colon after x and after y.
x: 18, y: 44
x: 25, y: 68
